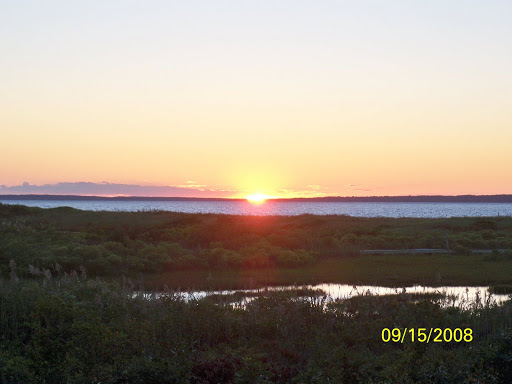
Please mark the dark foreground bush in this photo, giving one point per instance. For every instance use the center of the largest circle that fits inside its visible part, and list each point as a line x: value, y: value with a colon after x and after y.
x: 77, y: 330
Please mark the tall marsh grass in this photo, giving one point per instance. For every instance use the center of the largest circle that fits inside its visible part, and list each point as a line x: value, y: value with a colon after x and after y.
x: 62, y: 327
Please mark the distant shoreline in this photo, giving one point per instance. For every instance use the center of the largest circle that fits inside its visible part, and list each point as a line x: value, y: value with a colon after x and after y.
x: 359, y: 199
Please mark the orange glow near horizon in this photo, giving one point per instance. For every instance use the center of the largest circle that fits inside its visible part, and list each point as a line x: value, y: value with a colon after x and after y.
x: 226, y: 109
x: 257, y: 198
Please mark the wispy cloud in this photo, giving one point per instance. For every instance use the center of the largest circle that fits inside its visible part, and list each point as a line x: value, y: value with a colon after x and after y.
x: 112, y: 189
x: 187, y: 189
x: 316, y: 187
x: 358, y: 188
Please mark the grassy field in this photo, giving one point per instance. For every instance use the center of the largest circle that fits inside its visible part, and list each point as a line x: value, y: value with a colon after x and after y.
x: 387, y: 270
x: 224, y: 251
x: 68, y: 313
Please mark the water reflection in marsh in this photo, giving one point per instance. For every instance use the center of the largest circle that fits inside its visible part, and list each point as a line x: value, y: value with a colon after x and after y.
x: 463, y: 297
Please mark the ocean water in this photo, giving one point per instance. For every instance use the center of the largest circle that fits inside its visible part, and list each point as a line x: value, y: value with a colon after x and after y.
x: 290, y: 208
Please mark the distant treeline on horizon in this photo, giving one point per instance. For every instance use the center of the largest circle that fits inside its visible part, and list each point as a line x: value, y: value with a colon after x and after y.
x: 330, y: 199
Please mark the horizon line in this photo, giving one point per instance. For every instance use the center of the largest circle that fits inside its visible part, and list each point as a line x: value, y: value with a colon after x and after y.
x: 506, y: 198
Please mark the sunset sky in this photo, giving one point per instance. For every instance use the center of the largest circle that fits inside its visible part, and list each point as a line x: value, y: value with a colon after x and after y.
x: 230, y: 98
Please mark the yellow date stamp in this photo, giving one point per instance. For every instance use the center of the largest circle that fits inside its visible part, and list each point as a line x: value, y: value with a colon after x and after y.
x: 427, y: 335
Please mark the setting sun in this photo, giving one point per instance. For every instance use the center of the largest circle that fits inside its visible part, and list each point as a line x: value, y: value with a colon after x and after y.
x: 257, y: 198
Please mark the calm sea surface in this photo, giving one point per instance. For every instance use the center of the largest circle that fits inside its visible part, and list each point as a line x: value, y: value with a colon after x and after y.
x: 286, y: 208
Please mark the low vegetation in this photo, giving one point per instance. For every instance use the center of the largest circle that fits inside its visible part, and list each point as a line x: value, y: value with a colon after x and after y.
x: 74, y: 306
x: 67, y: 328
x: 212, y: 250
